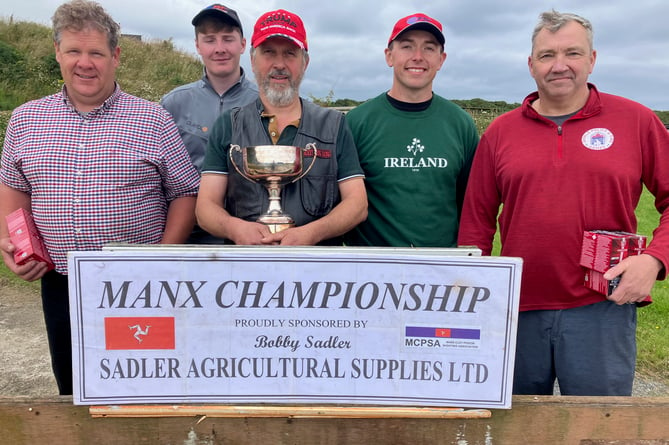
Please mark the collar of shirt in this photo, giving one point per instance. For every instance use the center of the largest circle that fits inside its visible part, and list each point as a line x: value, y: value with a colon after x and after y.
x: 106, y: 105
x: 206, y: 83
x: 273, y: 126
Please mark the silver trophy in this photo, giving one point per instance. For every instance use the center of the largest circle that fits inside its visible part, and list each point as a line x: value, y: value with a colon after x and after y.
x: 273, y: 166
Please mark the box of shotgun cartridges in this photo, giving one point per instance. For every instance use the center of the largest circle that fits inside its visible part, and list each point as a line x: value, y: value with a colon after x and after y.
x: 603, y: 249
x: 26, y: 239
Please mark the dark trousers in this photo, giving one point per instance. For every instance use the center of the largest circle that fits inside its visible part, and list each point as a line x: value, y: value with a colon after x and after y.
x: 56, y: 307
x: 590, y: 350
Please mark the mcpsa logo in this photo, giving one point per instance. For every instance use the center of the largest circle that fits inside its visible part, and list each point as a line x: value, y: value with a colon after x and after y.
x: 441, y: 337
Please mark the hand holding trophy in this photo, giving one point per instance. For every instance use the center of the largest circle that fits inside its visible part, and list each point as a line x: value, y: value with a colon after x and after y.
x: 273, y: 166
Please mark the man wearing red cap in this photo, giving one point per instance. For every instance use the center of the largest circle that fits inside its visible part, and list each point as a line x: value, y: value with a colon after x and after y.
x: 415, y: 147
x: 220, y: 42
x: 330, y: 200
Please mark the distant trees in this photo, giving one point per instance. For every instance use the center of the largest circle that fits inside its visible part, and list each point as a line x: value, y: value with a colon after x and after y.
x: 476, y: 105
x: 480, y: 105
x: 330, y: 101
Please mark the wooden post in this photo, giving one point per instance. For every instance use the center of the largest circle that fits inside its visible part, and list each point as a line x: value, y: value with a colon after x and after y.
x: 542, y: 420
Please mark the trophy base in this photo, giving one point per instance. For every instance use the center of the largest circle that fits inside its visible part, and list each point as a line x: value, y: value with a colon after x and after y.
x: 274, y: 228
x: 277, y: 223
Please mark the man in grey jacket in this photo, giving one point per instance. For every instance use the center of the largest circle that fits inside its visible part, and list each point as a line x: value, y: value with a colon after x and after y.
x: 220, y: 42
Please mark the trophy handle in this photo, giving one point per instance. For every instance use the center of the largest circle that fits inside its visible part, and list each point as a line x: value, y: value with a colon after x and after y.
x: 237, y: 148
x: 309, y: 146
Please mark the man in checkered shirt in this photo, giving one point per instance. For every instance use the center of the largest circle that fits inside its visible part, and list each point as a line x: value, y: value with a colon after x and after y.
x: 93, y: 165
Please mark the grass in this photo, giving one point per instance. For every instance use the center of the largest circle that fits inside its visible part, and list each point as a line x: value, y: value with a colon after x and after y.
x: 653, y: 326
x: 28, y: 67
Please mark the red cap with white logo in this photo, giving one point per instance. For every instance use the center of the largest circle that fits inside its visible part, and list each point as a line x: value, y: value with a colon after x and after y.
x: 280, y: 23
x: 421, y: 22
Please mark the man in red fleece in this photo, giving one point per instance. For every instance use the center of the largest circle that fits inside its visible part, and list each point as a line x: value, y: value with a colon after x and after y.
x: 570, y: 159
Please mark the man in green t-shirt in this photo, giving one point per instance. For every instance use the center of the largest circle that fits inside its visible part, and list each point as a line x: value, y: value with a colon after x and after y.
x: 415, y: 147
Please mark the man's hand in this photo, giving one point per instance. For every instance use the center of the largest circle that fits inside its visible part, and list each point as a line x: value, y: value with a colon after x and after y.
x: 31, y: 271
x: 637, y: 276
x: 294, y: 236
x: 247, y: 233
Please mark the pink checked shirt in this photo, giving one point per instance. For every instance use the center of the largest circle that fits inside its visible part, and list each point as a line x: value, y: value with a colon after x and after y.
x: 103, y: 177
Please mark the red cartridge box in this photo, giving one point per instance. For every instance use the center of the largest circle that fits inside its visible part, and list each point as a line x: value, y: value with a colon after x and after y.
x: 604, y: 249
x: 25, y: 237
x: 595, y: 280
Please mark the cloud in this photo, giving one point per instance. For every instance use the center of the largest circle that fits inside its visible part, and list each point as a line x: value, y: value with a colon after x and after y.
x: 487, y: 41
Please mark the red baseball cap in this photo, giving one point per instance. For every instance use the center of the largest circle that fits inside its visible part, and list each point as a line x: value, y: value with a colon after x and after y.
x: 418, y: 21
x: 280, y: 23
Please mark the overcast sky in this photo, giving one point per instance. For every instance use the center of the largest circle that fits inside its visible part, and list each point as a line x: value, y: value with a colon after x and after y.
x: 487, y: 41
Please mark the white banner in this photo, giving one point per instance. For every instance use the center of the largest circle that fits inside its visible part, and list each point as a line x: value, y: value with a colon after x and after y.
x: 417, y: 327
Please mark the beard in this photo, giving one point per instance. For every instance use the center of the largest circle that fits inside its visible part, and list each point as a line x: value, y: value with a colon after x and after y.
x: 282, y: 95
